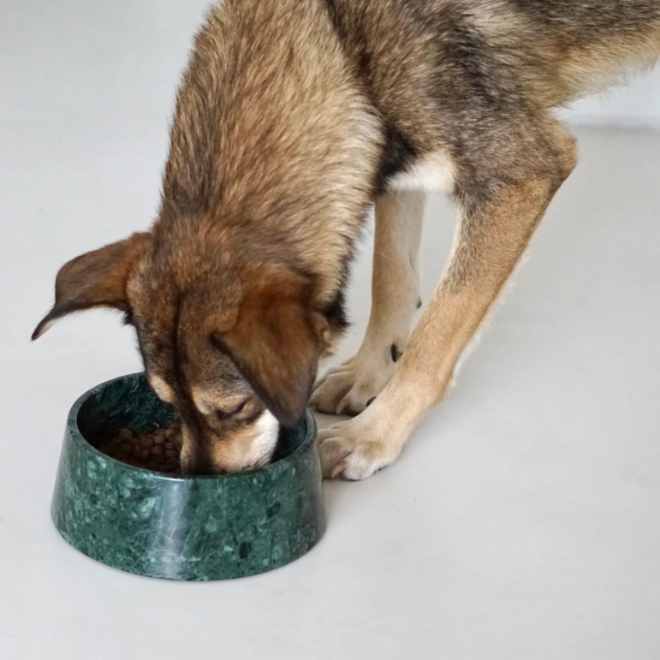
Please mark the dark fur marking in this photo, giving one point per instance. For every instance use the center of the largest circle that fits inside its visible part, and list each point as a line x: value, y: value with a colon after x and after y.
x: 469, y: 53
x: 364, y: 63
x: 395, y: 353
x: 590, y: 17
x: 335, y: 312
x: 398, y: 153
x: 201, y: 462
x: 334, y: 15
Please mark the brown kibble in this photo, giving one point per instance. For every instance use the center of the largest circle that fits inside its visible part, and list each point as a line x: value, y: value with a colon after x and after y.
x: 157, y: 451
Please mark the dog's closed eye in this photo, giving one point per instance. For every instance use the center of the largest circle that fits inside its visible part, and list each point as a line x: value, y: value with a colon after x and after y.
x: 226, y: 414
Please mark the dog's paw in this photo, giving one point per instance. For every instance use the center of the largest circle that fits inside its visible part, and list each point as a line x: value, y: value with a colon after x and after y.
x: 348, y: 388
x: 352, y: 450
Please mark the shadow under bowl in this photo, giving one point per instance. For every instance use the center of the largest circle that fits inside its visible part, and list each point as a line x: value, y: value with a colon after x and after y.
x: 181, y: 528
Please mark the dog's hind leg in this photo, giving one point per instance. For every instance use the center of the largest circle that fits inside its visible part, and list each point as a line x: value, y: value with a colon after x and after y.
x: 499, y: 213
x: 394, y: 299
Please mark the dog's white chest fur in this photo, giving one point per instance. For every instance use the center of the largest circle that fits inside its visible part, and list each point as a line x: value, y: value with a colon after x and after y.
x: 434, y: 172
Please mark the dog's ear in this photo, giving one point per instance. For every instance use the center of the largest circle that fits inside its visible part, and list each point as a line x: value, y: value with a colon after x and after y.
x: 276, y: 343
x: 94, y: 279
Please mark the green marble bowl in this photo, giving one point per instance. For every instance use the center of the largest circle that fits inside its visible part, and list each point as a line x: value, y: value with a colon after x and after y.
x: 192, y: 528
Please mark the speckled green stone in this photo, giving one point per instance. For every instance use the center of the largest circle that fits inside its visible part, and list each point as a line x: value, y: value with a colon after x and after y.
x: 193, y: 528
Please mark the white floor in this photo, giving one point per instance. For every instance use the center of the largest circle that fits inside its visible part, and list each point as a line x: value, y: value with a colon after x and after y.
x: 523, y: 519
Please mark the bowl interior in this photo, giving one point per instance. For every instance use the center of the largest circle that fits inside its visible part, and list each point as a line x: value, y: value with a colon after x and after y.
x: 130, y: 402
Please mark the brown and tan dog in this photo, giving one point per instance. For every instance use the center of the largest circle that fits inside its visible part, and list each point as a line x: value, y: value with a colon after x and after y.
x: 293, y: 118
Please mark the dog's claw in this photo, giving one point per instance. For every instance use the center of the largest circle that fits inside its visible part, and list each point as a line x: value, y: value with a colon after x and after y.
x: 338, y: 470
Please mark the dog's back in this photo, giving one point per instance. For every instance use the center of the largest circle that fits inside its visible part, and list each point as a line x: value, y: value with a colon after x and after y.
x: 496, y: 52
x: 592, y: 43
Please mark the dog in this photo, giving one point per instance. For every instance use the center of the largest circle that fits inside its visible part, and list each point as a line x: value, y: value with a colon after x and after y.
x: 293, y: 120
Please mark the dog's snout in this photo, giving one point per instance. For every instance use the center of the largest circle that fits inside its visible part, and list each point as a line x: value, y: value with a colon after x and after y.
x: 198, y: 466
x: 229, y: 450
x: 195, y: 463
x: 199, y: 471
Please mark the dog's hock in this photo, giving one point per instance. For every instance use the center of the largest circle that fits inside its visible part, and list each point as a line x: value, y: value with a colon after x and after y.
x: 94, y: 279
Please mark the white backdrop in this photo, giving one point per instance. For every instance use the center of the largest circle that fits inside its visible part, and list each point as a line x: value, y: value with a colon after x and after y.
x: 633, y: 105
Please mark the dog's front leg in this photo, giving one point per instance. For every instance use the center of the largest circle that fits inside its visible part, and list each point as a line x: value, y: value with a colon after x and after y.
x: 491, y: 237
x: 394, y: 299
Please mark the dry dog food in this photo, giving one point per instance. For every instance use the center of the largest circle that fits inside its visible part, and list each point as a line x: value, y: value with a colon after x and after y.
x: 158, y: 451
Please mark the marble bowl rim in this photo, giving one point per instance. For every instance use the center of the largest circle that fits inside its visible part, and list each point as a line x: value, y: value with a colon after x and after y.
x: 77, y: 435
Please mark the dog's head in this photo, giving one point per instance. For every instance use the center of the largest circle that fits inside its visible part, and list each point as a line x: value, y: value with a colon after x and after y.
x: 230, y: 338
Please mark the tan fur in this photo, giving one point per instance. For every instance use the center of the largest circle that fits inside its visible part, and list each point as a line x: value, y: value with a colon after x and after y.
x: 395, y: 298
x: 293, y: 117
x: 163, y: 391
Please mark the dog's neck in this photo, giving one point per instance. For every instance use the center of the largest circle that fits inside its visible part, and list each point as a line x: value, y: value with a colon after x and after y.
x: 278, y: 141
